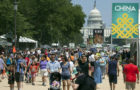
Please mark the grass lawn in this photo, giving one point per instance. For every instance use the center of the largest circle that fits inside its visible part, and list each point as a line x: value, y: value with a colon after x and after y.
x: 139, y: 68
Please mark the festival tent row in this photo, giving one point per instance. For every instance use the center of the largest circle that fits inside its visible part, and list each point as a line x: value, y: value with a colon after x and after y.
x: 28, y: 40
x: 3, y: 41
x: 126, y: 46
x: 24, y: 42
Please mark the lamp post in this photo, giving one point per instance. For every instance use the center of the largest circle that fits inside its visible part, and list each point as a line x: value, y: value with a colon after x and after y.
x: 111, y: 39
x: 15, y: 8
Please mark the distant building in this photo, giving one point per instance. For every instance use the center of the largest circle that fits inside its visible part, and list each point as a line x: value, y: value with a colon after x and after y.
x: 94, y: 22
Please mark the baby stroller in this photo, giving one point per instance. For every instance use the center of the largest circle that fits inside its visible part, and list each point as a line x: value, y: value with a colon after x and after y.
x: 55, y: 81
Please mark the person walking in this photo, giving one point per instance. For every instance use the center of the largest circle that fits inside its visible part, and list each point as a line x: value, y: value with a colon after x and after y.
x: 66, y: 73
x: 43, y: 69
x: 84, y: 65
x: 97, y: 71
x: 83, y: 82
x: 19, y: 73
x: 33, y: 70
x: 53, y: 66
x: 103, y: 65
x: 71, y: 64
x: 131, y: 71
x: 112, y: 71
x: 11, y: 76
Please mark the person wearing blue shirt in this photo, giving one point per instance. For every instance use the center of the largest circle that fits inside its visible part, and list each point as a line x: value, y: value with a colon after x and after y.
x: 53, y: 66
x: 19, y: 75
x: 112, y: 71
x: 8, y: 61
x: 79, y: 53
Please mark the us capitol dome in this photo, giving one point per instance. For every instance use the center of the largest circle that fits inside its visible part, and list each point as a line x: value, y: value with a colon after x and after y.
x: 95, y: 18
x: 94, y: 21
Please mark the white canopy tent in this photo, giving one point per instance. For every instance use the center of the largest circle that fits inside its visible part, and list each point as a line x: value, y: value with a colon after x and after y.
x: 98, y: 45
x: 126, y: 46
x: 5, y: 43
x: 28, y: 40
x: 3, y: 36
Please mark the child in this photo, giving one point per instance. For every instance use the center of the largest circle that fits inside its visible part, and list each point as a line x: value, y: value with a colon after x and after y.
x: 56, y: 81
x: 55, y: 84
x: 11, y: 78
x: 33, y: 70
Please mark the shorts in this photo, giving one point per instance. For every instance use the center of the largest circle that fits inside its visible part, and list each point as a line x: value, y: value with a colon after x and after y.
x: 112, y: 78
x: 19, y: 77
x: 65, y: 77
x: 11, y: 80
x: 44, y: 72
x: 130, y: 85
x: 1, y: 71
x: 103, y: 69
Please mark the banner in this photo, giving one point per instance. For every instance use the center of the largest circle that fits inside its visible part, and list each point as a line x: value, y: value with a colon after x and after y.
x: 98, y: 36
x: 90, y: 40
x: 125, y: 20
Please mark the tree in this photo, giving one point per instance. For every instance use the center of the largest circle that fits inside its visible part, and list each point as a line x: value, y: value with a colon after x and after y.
x: 7, y: 19
x: 53, y: 20
x: 47, y: 21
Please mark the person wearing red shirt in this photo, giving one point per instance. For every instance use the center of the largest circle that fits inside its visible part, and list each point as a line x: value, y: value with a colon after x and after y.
x: 130, y: 71
x: 27, y: 60
x: 33, y: 70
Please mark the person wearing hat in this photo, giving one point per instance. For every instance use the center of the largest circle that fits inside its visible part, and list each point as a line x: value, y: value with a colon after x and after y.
x: 82, y: 82
x: 97, y: 70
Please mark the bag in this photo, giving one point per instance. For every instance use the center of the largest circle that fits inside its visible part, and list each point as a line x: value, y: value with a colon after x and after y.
x: 46, y: 74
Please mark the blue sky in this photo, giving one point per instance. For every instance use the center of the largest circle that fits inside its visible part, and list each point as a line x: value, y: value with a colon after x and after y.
x: 104, y: 6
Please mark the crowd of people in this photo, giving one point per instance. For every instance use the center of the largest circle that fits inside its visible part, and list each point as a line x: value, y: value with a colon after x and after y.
x: 79, y: 69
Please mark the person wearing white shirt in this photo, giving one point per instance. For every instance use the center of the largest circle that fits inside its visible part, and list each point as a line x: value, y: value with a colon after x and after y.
x: 91, y: 57
x: 38, y: 51
x: 71, y: 64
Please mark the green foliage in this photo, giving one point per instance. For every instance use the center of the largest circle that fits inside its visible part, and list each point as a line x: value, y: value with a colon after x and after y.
x: 6, y: 16
x: 47, y: 21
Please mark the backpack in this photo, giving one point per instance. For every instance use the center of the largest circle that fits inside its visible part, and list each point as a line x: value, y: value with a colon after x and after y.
x: 90, y: 82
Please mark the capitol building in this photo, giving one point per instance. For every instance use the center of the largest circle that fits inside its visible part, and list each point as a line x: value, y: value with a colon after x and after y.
x: 94, y: 22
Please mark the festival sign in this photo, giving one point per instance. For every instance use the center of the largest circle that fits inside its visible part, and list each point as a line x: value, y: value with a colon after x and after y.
x: 125, y: 20
x: 90, y: 40
x: 98, y: 36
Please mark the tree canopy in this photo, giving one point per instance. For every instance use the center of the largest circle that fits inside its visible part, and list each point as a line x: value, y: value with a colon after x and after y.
x: 48, y: 21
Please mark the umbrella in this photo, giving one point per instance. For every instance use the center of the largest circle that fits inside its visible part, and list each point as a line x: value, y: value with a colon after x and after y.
x: 93, y: 49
